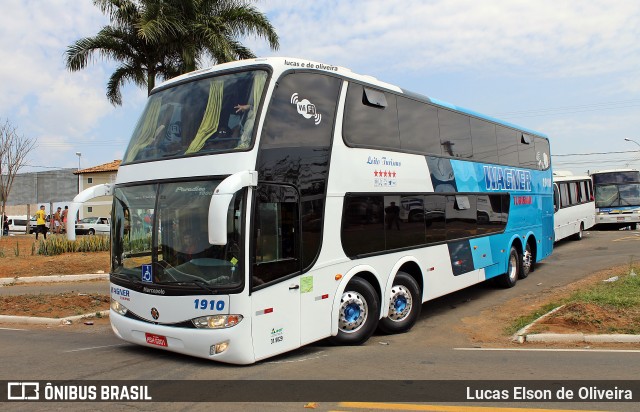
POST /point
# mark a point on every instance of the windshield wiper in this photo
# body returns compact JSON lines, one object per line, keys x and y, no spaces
{"x":196,"y":282}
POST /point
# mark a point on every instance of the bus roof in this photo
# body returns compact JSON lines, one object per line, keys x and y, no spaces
{"x":282,"y":64}
{"x":570,"y":178}
{"x":597,"y":172}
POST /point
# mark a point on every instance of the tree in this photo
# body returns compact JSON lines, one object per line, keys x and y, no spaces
{"x":164,"y":38}
{"x":14,"y":150}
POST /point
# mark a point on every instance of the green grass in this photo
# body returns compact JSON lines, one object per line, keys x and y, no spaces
{"x":522,"y":321}
{"x":621,"y":295}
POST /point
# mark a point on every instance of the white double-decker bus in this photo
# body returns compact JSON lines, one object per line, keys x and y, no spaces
{"x":257,"y":209}
{"x":574,"y":205}
{"x":617,"y":197}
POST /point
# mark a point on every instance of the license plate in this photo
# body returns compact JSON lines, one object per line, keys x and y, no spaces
{"x":620,"y":219}
{"x":154,"y":339}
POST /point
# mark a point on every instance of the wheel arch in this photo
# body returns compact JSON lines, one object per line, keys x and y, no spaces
{"x":516,"y":242}
{"x":365,"y":272}
{"x":532,"y":241}
{"x":410,"y":266}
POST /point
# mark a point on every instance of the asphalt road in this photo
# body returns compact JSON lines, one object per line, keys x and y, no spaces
{"x":434,"y":349}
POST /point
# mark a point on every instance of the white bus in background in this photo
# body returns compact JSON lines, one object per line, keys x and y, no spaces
{"x":574,"y":205}
{"x":617,"y":194}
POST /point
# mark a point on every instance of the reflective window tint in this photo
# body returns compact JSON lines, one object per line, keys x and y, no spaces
{"x":363,"y":225}
{"x":370,"y":125}
{"x":461,"y":215}
{"x":455,"y":134}
{"x":490,"y":217}
{"x":419,"y":131}
{"x":276,"y":241}
{"x":296,"y":143}
{"x":383,"y":120}
{"x":434,"y":218}
{"x":404,"y":221}
{"x":527,"y":152}
{"x":508,"y":142}
{"x":483,"y":137}
{"x":616,"y":177}
{"x":301,"y":111}
{"x":377,"y":224}
{"x":543,"y":155}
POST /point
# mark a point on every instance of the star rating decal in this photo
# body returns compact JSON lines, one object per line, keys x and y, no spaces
{"x":384,"y":173}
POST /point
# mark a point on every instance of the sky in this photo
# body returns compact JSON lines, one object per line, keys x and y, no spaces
{"x":568,"y":69}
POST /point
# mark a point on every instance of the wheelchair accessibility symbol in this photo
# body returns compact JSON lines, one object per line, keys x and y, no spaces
{"x":146,"y":273}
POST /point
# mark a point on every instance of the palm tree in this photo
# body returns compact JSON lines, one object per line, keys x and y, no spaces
{"x":164,"y":38}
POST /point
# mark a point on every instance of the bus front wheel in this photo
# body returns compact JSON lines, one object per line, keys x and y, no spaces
{"x":404,"y":305}
{"x":358,"y":313}
{"x":509,"y":279}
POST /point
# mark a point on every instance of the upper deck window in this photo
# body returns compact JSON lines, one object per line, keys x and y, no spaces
{"x":208,"y":115}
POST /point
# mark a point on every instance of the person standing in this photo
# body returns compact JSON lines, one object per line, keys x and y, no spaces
{"x":65,"y":212}
{"x":41,"y":222}
{"x":393,"y":215}
{"x":5,"y":225}
{"x":57,"y":221}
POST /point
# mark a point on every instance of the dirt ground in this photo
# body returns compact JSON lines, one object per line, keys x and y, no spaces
{"x":488,"y":328}
{"x":18,"y":257}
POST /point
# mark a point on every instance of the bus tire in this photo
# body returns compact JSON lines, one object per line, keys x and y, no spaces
{"x":580,"y":234}
{"x":527,"y":262}
{"x":509,"y":279}
{"x":358,"y":313}
{"x":405,"y":304}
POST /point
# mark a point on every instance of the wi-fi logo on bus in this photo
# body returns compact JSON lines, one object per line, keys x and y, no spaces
{"x":306,"y":108}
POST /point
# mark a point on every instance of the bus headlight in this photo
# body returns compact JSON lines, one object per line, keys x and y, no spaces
{"x":217,"y":321}
{"x":118,"y":307}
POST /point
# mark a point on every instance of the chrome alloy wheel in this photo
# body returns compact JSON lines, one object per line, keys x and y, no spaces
{"x":526,"y":260}
{"x":400,"y":303}
{"x":353,"y":312}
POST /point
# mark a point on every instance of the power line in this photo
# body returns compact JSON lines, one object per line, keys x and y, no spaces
{"x":593,"y":154}
{"x":622,"y":104}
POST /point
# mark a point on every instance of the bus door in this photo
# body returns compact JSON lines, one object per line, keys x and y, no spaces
{"x":275,"y":271}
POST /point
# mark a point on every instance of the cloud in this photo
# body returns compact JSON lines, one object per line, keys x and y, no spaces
{"x":543,"y":37}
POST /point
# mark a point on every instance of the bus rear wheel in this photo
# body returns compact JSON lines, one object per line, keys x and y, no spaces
{"x":405,"y":304}
{"x":527,"y":262}
{"x":509,"y":279}
{"x":580,"y":234}
{"x":358,"y":313}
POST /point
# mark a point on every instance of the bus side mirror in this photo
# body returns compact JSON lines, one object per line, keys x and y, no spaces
{"x":220,"y":200}
{"x":90,"y":193}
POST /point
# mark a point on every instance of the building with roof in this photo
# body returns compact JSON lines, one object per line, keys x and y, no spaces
{"x":92,"y":176}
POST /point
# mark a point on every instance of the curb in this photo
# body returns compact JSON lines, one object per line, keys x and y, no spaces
{"x":49,"y":321}
{"x":52,"y":278}
{"x":522,"y":336}
{"x":581,"y":338}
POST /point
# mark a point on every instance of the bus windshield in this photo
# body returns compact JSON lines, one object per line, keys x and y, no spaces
{"x":208,"y":115}
{"x":618,"y":195}
{"x":160,"y":236}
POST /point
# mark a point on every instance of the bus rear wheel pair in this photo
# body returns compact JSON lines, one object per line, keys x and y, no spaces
{"x":518,"y":267}
{"x":359,"y":312}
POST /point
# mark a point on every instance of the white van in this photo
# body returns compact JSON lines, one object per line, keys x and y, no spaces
{"x":17,"y":224}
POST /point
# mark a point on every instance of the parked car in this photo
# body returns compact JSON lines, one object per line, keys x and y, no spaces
{"x":93,"y":225}
{"x":33,"y":223}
